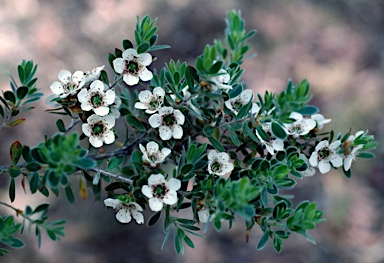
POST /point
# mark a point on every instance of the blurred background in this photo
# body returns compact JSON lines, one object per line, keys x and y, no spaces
{"x":338,"y":45}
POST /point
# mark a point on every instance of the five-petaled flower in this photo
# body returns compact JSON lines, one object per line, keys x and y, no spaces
{"x":92,"y":75}
{"x":220,"y":81}
{"x":168,"y":120}
{"x":271,"y":144}
{"x":301,"y":125}
{"x":152,"y":155}
{"x":160,"y":192}
{"x":98,"y":129}
{"x":133,"y":66}
{"x":350,"y":149}
{"x":151,"y":102}
{"x":244,"y":98}
{"x":125,"y":212}
{"x":69,"y":84}
{"x":325,"y":154}
{"x":96,"y":99}
{"x":218,"y":163}
{"x":320,"y":120}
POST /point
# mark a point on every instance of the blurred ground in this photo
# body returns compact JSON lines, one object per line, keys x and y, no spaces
{"x":338,"y":45}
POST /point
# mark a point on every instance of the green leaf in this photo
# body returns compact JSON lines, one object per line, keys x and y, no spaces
{"x":34,"y":183}
{"x":216,"y":144}
{"x":208,"y":131}
{"x":154,"y":219}
{"x":234,"y":138}
{"x":33,"y":166}
{"x":114,"y":162}
{"x":278,"y":131}
{"x":15,"y":152}
{"x":216,"y":67}
{"x":308,"y":110}
{"x":127,"y":44}
{"x":143,"y":47}
{"x":40,"y":208}
{"x":186,"y":168}
{"x":263,"y":240}
{"x":134,"y":122}
{"x":16,"y":243}
{"x":12,"y":190}
{"x":8,"y":95}
{"x":21,"y":92}
{"x":189,"y":242}
{"x":365,"y":155}
{"x":25,"y":152}
{"x":60,"y":125}
{"x":69,"y":194}
{"x":14,"y":171}
{"x":85,"y":163}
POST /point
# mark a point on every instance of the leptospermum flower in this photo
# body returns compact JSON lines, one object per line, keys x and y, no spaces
{"x":310,"y":171}
{"x":96,"y":99}
{"x":98,"y":129}
{"x":272,"y":145}
{"x":325,"y":154}
{"x":218,"y":163}
{"x":204,"y":214}
{"x":244,"y":98}
{"x":160,"y":192}
{"x":220,"y":81}
{"x":320,"y":120}
{"x":133,"y":66}
{"x":152,"y":155}
{"x":125,"y":212}
{"x":151,"y":102}
{"x":168,"y":120}
{"x":349,"y":150}
{"x":301,"y":126}
{"x":92,"y":75}
{"x":69,"y":84}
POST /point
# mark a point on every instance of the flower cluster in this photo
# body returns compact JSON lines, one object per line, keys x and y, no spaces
{"x":96,"y":102}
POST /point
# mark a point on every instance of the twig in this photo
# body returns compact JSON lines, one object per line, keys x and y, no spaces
{"x":121,"y":178}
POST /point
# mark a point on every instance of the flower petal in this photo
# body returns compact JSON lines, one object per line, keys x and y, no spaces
{"x":152,"y":148}
{"x":137,"y":216}
{"x":155,"y":120}
{"x":118,"y":65}
{"x":155,"y":204}
{"x":130,"y":79}
{"x":165,"y":133}
{"x":57,"y":88}
{"x":109,"y":137}
{"x":145,"y":59}
{"x":177,"y":132}
{"x":179,"y":117}
{"x":95,"y":141}
{"x":324,"y":166}
{"x":145,"y":74}
{"x":101,"y":111}
{"x":86,"y":128}
{"x":123,"y":216}
{"x":174,"y":184}
{"x":147,"y":191}
{"x":129,"y":53}
{"x":156,"y":179}
{"x":112,"y":202}
{"x":65,"y":76}
{"x":170,"y":198}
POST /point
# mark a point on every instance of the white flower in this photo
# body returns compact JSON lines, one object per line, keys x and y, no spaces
{"x":133,"y":66}
{"x":218,"y":163}
{"x":244,"y":98}
{"x":301,"y":126}
{"x":310,"y":171}
{"x":273,"y":144}
{"x":96,"y":99}
{"x":168,"y":121}
{"x":98,"y":129}
{"x":186,"y":97}
{"x":93,"y":75}
{"x":152,"y":155}
{"x":204,"y":214}
{"x":320,"y":120}
{"x":220,"y":81}
{"x":115,"y":108}
{"x":325,"y":153}
{"x":149,"y":102}
{"x":349,"y":150}
{"x":125,"y":212}
{"x":159,"y":191}
{"x":69,"y":84}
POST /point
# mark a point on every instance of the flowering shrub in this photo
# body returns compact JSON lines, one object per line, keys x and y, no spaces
{"x":197,"y":140}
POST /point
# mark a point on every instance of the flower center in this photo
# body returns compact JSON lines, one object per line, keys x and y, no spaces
{"x":296,"y":128}
{"x":237,"y":105}
{"x":132,"y":67}
{"x":154,"y":104}
{"x":159,"y":190}
{"x":98,"y":128}
{"x":169,"y":119}
{"x":97,"y":100}
{"x":324,"y":153}
{"x":216,"y":167}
